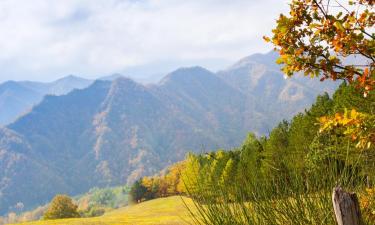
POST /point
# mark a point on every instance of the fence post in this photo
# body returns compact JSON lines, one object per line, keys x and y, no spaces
{"x":346,"y":207}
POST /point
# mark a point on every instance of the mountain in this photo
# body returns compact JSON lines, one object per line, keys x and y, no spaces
{"x":113,"y":132}
{"x":111,"y":77}
{"x":269,"y":92}
{"x":16,"y":98}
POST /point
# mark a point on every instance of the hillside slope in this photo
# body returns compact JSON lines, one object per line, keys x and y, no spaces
{"x":268,"y":91}
{"x":162,"y":211}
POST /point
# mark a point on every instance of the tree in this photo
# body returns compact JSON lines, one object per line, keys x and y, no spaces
{"x":60,"y":207}
{"x":173,"y":177}
{"x":137,"y":191}
{"x":251,"y":158}
{"x":319,"y":36}
{"x":229,"y":173}
{"x":103,"y":197}
{"x":152,"y":185}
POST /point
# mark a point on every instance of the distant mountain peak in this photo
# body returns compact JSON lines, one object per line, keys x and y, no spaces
{"x":70,"y":77}
{"x":184,"y":74}
{"x":112,"y":77}
{"x":268,"y":59}
{"x":125,"y":82}
{"x":123,"y":86}
{"x":191,"y":69}
{"x":18,"y":97}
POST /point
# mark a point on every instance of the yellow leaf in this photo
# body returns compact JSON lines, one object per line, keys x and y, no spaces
{"x":339,"y":26}
{"x":267,"y":39}
{"x":353,"y":114}
{"x":323,"y":119}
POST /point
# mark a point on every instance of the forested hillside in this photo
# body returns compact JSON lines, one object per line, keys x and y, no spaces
{"x":295,"y":161}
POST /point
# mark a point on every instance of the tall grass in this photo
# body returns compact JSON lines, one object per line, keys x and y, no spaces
{"x":293,"y":197}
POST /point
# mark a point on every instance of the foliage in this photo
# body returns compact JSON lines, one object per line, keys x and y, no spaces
{"x":166,"y":184}
{"x":358,"y":126}
{"x":322,"y":38}
{"x":100,"y":200}
{"x":94,"y":211}
{"x":61,"y":206}
{"x":94,"y":203}
{"x":318,"y":36}
{"x":287,"y":177}
{"x":35,"y":214}
{"x":103,"y":197}
{"x":137,"y":191}
{"x":367,"y":202}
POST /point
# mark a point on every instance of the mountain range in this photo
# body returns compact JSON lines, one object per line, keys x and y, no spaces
{"x":17,"y":98}
{"x":114,"y":131}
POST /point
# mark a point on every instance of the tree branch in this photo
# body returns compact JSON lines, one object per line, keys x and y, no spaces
{"x":320,"y":8}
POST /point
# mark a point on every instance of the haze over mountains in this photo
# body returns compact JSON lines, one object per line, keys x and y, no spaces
{"x":113,"y":132}
{"x":17,"y":98}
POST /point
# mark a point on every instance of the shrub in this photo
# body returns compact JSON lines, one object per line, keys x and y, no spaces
{"x":60,"y":207}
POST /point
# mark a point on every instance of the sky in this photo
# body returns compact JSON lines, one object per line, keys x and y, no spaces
{"x":44,"y":40}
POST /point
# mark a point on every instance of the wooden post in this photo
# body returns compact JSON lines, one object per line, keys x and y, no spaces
{"x":346,"y":207}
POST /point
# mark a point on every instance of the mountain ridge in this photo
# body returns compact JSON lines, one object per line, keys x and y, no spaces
{"x":18,"y":97}
{"x":113,"y":132}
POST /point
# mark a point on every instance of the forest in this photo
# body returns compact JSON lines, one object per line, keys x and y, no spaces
{"x":287,"y":177}
{"x":269,"y":179}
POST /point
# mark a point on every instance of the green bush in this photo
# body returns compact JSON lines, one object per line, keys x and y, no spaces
{"x":93,"y":211}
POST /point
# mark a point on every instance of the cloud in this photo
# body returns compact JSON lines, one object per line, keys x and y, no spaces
{"x":44,"y":40}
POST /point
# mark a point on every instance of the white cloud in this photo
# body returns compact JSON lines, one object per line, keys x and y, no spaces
{"x":44,"y":39}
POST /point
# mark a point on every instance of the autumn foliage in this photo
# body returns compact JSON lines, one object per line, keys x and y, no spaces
{"x":332,"y":40}
{"x":359,"y":126}
{"x":167,"y":183}
{"x":61,"y":206}
{"x":328,"y":39}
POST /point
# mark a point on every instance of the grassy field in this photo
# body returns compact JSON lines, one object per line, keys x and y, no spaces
{"x":163,"y":211}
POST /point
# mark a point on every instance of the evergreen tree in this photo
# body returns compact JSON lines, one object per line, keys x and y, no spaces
{"x":137,"y":191}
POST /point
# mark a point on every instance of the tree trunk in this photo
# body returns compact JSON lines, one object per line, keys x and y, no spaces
{"x":346,"y":207}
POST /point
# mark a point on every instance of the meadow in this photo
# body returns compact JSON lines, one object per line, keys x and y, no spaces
{"x":162,"y":211}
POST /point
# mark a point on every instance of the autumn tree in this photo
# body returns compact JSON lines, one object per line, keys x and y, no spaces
{"x":172,"y":178}
{"x":332,"y":40}
{"x":191,"y":176}
{"x":61,"y":206}
{"x":318,"y":37}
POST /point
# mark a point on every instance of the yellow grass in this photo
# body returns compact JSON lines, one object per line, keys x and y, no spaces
{"x":162,"y":211}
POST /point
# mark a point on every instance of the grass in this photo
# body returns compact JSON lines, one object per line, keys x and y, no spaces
{"x":162,"y":211}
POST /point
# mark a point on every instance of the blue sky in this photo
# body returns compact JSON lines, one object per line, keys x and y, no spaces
{"x":45,"y":40}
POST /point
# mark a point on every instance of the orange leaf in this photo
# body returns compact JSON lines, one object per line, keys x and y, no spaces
{"x":366,"y":73}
